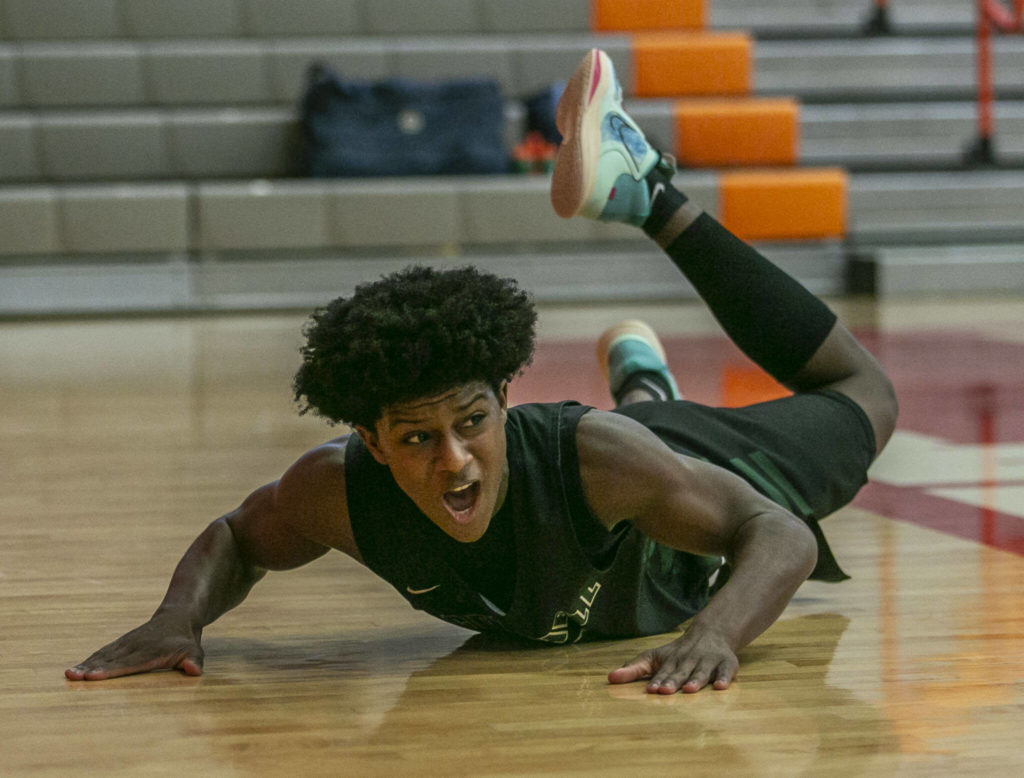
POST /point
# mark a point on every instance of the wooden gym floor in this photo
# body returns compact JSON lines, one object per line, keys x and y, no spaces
{"x":121,"y":439}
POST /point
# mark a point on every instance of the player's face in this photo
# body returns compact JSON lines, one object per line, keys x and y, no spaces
{"x":448,"y":454}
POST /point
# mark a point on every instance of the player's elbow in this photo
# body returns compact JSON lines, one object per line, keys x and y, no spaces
{"x":805,"y":549}
{"x":782,"y":542}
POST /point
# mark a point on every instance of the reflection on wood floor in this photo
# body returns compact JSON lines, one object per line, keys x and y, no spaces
{"x":120,"y":440}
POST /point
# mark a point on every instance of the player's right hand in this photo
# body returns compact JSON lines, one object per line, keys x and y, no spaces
{"x":165,"y":642}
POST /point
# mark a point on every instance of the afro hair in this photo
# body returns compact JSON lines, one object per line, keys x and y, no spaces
{"x":412,"y":334}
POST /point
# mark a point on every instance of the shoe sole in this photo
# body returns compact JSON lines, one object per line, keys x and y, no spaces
{"x":630,"y":327}
{"x":578,"y":118}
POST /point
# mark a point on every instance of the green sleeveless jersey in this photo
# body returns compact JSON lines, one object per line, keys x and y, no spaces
{"x":572,"y":577}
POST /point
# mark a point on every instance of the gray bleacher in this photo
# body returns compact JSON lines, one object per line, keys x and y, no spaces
{"x":117,"y":74}
{"x":149,"y":149}
{"x":27,"y":20}
{"x":151,"y":19}
{"x":197,"y":143}
{"x":791,"y":19}
{"x":86,"y":74}
{"x":887,"y":68}
{"x":877,"y":137}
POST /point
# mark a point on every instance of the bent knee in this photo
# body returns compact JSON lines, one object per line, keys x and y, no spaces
{"x":875,"y":394}
{"x":884,"y":414}
{"x":872,"y":390}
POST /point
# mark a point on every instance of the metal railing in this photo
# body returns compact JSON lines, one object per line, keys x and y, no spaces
{"x":993,"y":17}
{"x":878,"y":22}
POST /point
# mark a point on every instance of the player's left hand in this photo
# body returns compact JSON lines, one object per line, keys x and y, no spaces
{"x":701,"y":656}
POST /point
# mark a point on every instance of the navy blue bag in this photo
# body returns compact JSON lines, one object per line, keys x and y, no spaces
{"x":541,"y":110}
{"x":398,"y":127}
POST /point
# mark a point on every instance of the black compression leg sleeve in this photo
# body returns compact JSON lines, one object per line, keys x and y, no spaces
{"x":768,"y":314}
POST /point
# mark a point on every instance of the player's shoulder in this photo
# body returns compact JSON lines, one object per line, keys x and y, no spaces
{"x":315,"y":479}
{"x":320,"y":469}
{"x":605,"y":433}
{"x":617,"y":452}
{"x":311,"y":496}
{"x":328,"y":454}
{"x":611,"y":446}
{"x":614,"y":454}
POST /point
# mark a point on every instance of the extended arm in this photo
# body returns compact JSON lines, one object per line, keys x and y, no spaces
{"x":771,"y":553}
{"x":693,"y":506}
{"x":274,"y":529}
{"x":211,"y":578}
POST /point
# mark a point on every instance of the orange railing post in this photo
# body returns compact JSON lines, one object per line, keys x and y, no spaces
{"x":992,"y":16}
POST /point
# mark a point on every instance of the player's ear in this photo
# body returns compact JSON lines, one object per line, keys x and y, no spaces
{"x":372,"y":443}
{"x":502,"y":395}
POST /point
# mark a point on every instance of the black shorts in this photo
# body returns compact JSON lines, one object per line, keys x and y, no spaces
{"x":809,"y":452}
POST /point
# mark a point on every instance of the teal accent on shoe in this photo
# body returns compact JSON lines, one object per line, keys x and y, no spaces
{"x":628,"y":201}
{"x":631,"y":354}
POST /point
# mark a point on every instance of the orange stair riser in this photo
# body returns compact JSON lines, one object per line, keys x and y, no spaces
{"x":790,"y":205}
{"x":625,"y":15}
{"x":737,"y":132}
{"x":700,"y":64}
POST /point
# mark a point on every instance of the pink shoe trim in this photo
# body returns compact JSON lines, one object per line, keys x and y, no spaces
{"x":596,"y":77}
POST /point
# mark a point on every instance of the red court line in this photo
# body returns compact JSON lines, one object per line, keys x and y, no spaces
{"x":913,"y":504}
{"x":955,"y":385}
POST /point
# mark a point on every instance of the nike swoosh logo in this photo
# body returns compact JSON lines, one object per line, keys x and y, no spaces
{"x":422,"y":591}
{"x":658,"y":189}
{"x":620,"y":127}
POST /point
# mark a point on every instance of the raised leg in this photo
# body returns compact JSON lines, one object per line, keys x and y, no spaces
{"x":606,"y":170}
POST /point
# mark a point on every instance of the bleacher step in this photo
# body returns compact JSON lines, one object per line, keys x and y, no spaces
{"x":840,"y":18}
{"x":296,"y":280}
{"x":191,"y":72}
{"x":946,"y":270}
{"x":26,"y":20}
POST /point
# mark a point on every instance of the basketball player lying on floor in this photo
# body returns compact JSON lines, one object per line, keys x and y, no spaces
{"x":556,"y":521}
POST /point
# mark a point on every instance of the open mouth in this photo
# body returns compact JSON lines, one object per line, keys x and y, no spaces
{"x":461,"y":502}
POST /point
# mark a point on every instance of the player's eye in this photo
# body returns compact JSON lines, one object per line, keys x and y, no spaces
{"x":475,"y":419}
